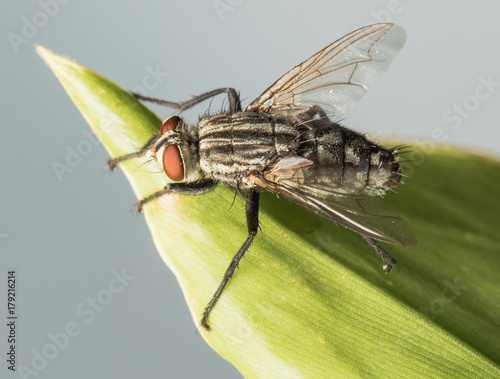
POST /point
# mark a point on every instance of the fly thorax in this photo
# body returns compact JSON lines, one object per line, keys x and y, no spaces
{"x":231,"y":145}
{"x":174,"y":151}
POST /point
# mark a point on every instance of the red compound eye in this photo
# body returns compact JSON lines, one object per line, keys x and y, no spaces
{"x":172,"y":160}
{"x":169,"y":124}
{"x":172,"y":163}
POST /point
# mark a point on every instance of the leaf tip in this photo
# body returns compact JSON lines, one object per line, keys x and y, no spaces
{"x":46,"y":54}
{"x":56,"y":62}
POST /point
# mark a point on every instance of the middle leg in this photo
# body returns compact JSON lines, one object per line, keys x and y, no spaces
{"x":199,"y":187}
{"x":252,"y":213}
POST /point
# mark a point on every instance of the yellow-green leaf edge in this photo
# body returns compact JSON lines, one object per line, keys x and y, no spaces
{"x":310,"y":299}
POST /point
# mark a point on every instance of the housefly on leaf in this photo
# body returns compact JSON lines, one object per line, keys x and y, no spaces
{"x":288,"y":141}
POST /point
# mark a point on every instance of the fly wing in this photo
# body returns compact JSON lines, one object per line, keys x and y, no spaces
{"x":338,"y":76}
{"x":366,"y":215}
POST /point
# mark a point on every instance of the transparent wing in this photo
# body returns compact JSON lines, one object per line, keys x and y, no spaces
{"x":336,"y":77}
{"x":366,"y":215}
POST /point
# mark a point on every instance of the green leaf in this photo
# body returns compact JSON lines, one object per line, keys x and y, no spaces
{"x":310,"y":299}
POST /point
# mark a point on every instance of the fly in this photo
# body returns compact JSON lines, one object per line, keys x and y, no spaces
{"x":288,"y":141}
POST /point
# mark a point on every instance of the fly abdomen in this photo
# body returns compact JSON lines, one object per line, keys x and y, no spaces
{"x":323,"y":145}
{"x":346,"y":160}
{"x":357,"y":153}
{"x":385,"y":172}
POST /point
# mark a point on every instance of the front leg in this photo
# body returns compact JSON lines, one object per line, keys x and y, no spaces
{"x":199,"y":187}
{"x":232,"y":95}
{"x":113,"y":162}
{"x":234,"y":106}
{"x":252,"y":212}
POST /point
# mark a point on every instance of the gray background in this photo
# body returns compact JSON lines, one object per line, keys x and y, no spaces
{"x":65,"y":237}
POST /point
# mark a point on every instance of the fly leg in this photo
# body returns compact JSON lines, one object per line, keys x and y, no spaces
{"x":234,"y":100}
{"x":199,"y":187}
{"x":113,"y":162}
{"x":252,"y":214}
{"x":234,"y":106}
{"x":390,"y":262}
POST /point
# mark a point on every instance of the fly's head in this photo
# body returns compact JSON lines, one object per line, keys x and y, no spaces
{"x":175,"y":151}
